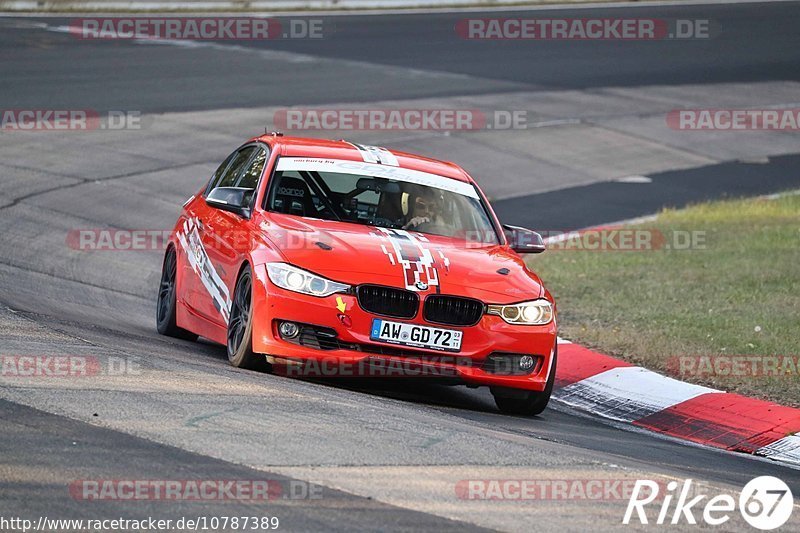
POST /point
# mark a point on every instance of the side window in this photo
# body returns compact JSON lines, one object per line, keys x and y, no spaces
{"x":249,"y":179}
{"x":236,"y":166}
{"x":212,"y":183}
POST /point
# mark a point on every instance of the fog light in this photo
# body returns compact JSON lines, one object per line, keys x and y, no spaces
{"x":288,"y":330}
{"x":526,"y":362}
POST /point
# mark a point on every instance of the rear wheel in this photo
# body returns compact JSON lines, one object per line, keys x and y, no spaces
{"x":167,"y":303}
{"x":526,"y":403}
{"x":240,"y":326}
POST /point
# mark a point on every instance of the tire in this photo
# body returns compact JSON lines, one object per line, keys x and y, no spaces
{"x":526,"y":403}
{"x":166,"y":303}
{"x":240,"y":326}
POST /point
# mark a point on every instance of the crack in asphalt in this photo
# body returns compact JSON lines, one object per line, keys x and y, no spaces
{"x":83,"y":181}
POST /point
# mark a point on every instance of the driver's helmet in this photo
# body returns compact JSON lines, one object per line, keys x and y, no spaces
{"x":420,"y":201}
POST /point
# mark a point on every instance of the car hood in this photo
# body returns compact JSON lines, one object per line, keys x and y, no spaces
{"x":356,"y":253}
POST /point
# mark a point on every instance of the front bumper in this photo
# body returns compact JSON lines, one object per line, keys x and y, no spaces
{"x":354,"y":354}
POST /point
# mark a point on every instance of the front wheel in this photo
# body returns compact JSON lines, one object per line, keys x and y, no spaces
{"x":240,"y":326}
{"x":526,"y":403}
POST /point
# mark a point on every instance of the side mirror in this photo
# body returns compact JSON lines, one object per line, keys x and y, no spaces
{"x":523,"y":241}
{"x":233,"y":199}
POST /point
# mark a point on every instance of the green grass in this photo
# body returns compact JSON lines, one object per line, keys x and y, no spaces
{"x":739,"y":295}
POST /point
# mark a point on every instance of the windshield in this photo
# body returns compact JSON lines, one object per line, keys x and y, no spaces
{"x":379,"y":195}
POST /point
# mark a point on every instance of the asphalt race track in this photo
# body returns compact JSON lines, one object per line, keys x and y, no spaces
{"x":381,"y":455}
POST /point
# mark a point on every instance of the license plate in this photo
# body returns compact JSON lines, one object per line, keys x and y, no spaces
{"x":448,"y":340}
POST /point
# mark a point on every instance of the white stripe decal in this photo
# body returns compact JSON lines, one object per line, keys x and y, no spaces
{"x":376,"y":154}
{"x":628,"y":393}
{"x":786,"y":449}
{"x":367,"y":155}
{"x":389,"y":254}
{"x":417,"y":261}
{"x":386,"y":157}
{"x":198,"y":259}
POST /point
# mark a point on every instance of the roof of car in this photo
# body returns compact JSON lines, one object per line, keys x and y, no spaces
{"x":306,"y":147}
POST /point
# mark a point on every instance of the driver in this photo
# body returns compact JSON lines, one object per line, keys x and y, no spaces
{"x":425,"y":209}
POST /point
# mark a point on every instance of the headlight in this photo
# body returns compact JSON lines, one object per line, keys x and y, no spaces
{"x":536,"y":312}
{"x":296,"y":279}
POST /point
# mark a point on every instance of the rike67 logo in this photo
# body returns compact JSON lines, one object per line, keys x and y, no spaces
{"x":766,"y":503}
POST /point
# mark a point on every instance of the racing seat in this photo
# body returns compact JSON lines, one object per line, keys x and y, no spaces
{"x":293,"y":197}
{"x":390,"y":207}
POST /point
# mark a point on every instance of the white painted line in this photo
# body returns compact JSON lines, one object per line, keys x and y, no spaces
{"x":338,"y":8}
{"x":563,"y":341}
{"x":634,"y":179}
{"x":786,"y":449}
{"x":644,"y":219}
{"x":629,"y":393}
{"x":554,"y":122}
{"x":778,"y":195}
{"x":577,"y":233}
{"x":289,"y":57}
{"x":756,"y":160}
